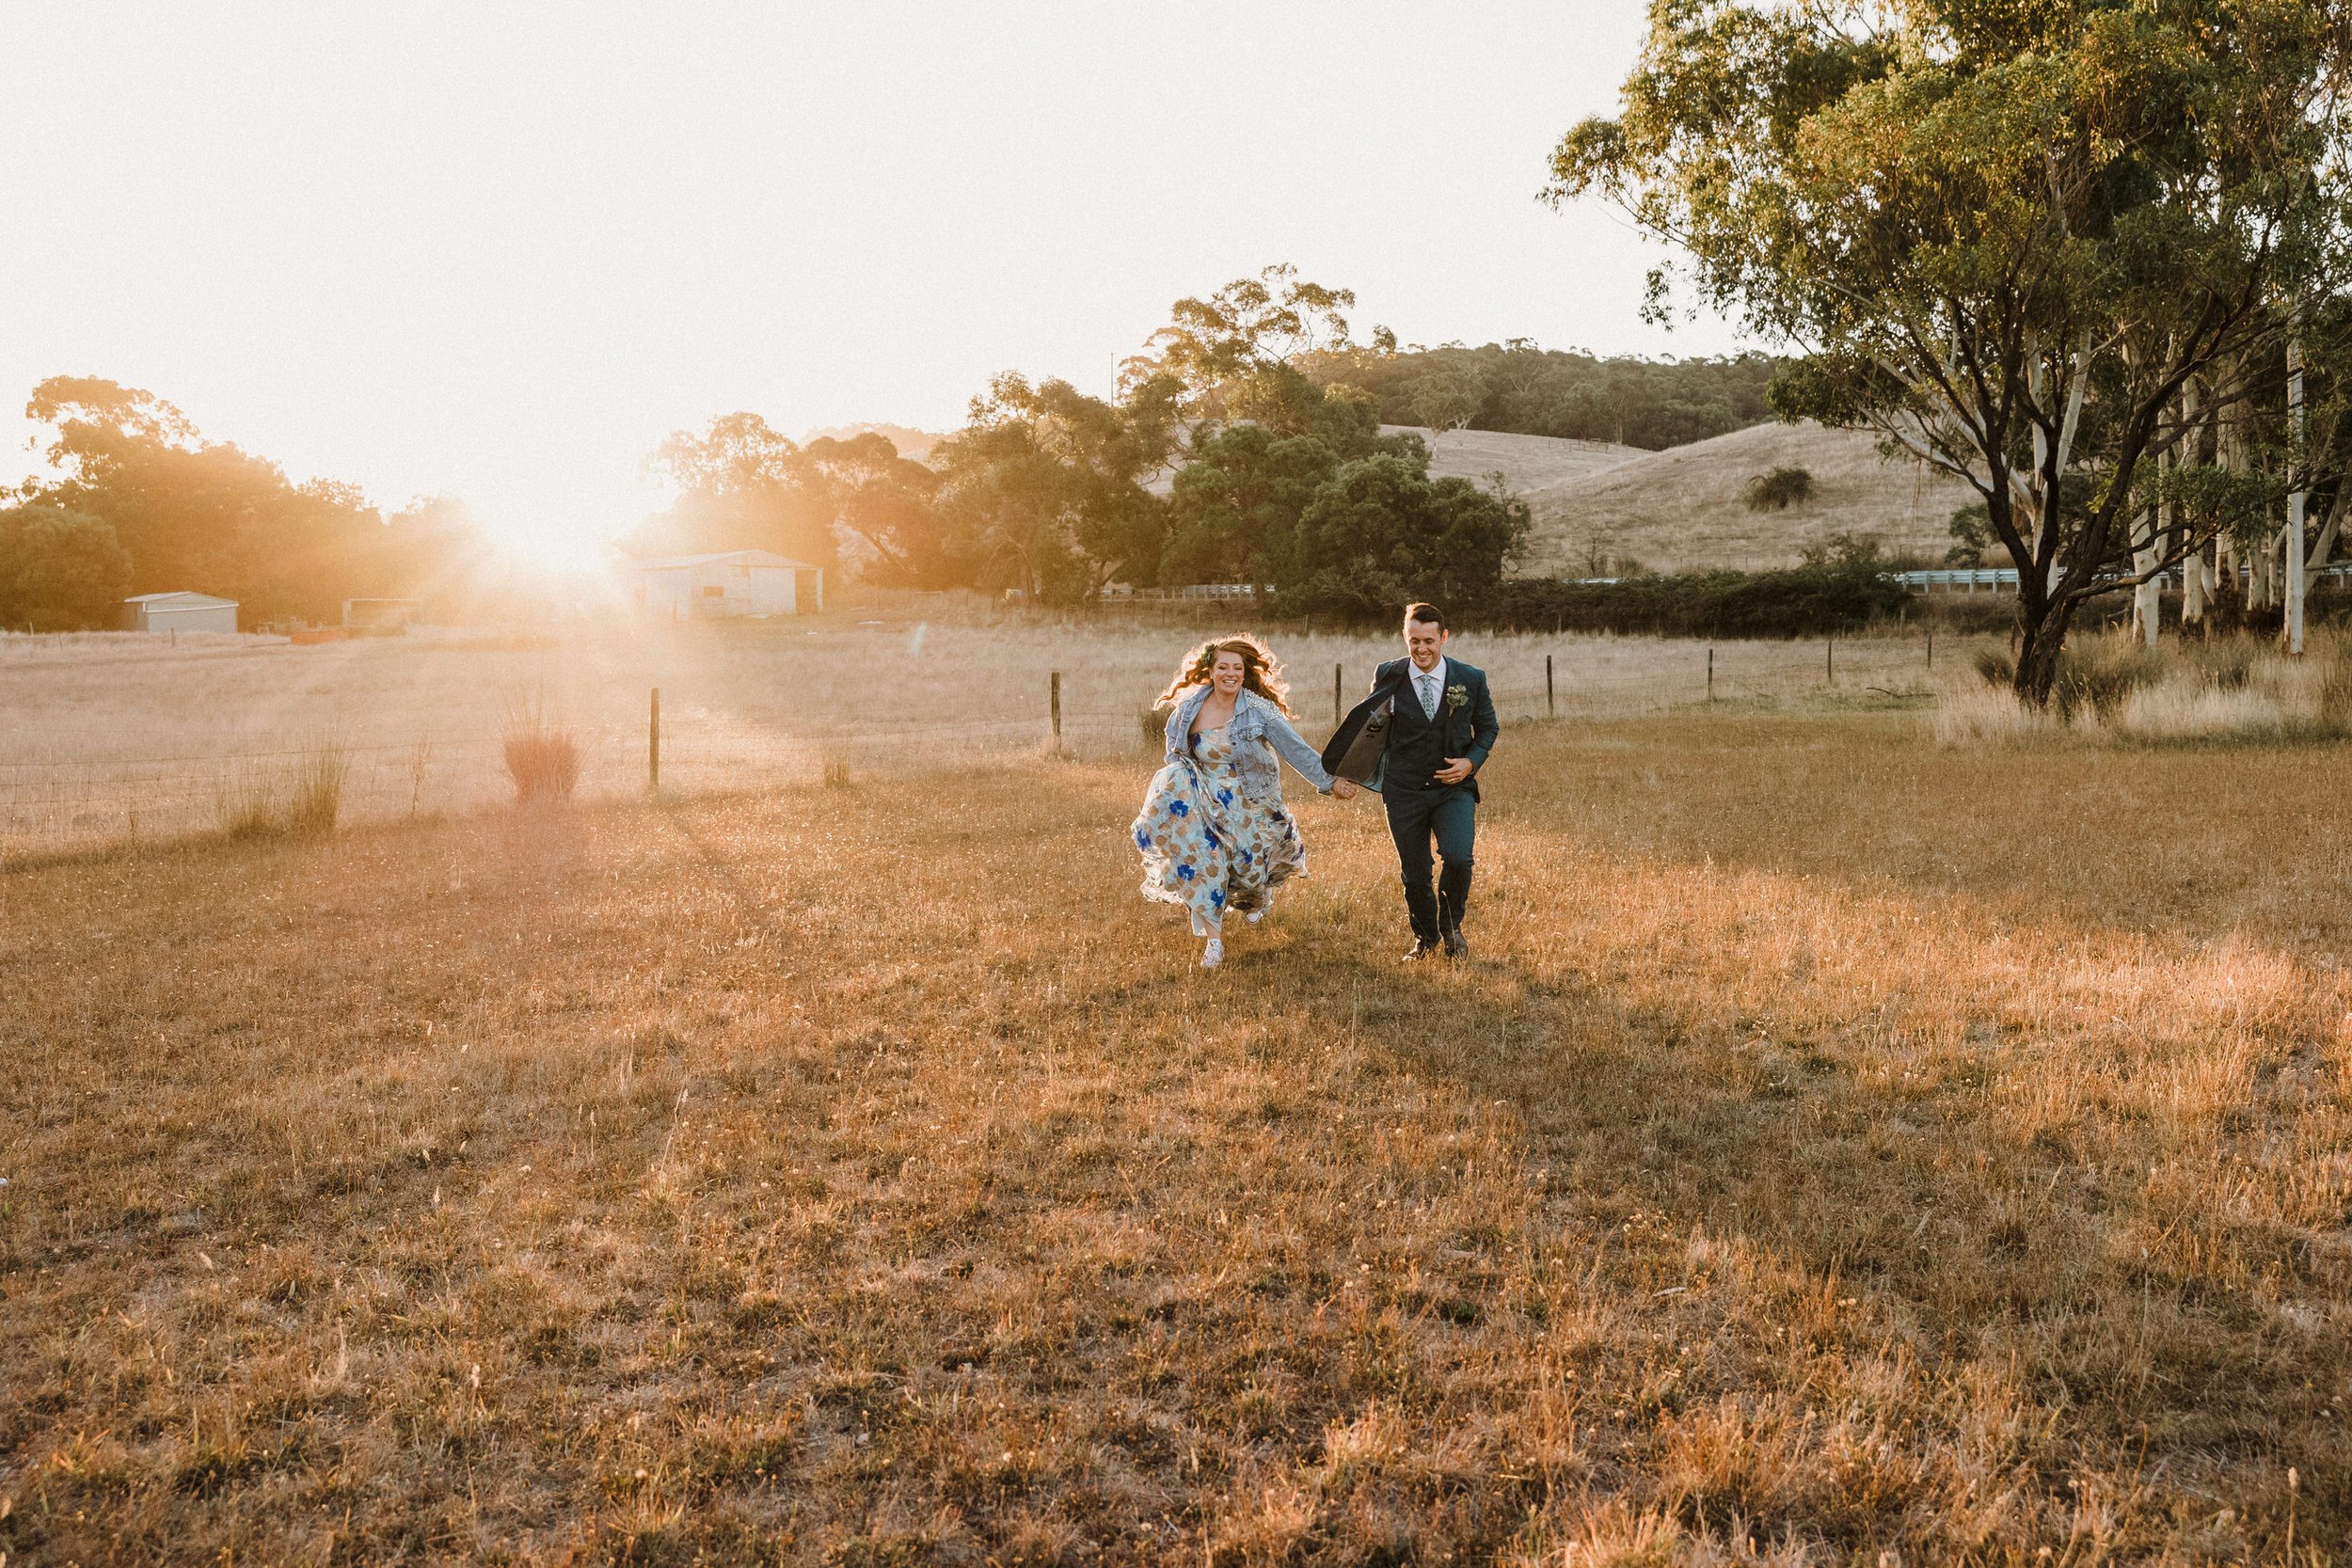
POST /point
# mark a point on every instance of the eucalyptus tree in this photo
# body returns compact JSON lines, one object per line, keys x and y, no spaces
{"x":1249,"y":326}
{"x":1051,"y":482}
{"x":2007,"y":235}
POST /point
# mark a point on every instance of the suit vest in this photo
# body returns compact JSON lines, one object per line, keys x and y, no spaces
{"x":1416,"y":741}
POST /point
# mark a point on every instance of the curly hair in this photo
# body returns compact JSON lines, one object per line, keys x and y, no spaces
{"x":1261,"y":672}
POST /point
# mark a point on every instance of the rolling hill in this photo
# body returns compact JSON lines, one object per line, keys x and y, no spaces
{"x":1527,"y":463}
{"x":1598,"y":505}
{"x":1685,"y":508}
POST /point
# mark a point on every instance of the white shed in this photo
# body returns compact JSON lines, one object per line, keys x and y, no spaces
{"x":727,"y":583}
{"x":179,"y":612}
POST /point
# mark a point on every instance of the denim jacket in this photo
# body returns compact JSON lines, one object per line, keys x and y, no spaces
{"x":1259,"y":732}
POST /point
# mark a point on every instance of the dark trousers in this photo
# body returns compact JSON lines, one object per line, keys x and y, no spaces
{"x":1451,"y":816}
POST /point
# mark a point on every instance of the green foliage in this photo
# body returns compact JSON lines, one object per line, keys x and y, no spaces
{"x":2213,"y":498}
{"x":741,"y":485}
{"x":1971,"y":529}
{"x":1380,"y":533}
{"x":1237,"y":504}
{"x":2009,"y":233}
{"x":60,"y":570}
{"x":1044,"y":487}
{"x":1841,"y":586}
{"x":189,"y":514}
{"x":1339,"y":518}
{"x":1779,"y":490}
{"x":1249,"y":326}
{"x":886,"y":502}
{"x":1519,"y":388}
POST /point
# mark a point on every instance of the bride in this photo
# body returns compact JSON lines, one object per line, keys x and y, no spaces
{"x":1214,"y":834}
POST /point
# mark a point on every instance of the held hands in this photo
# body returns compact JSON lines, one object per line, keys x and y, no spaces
{"x":1455,"y":770}
{"x":1342,"y":789}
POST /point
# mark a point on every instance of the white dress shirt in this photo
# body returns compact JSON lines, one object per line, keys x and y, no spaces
{"x":1429,"y":686}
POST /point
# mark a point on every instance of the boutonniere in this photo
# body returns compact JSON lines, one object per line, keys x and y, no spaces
{"x":1457,"y":697}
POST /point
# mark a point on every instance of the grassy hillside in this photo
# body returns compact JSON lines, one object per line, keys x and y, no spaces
{"x":1526,"y":462}
{"x":867,"y":1175}
{"x":1685,"y":508}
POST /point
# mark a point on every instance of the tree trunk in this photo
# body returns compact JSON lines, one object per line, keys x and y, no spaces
{"x":2041,"y":639}
{"x":2148,"y":598}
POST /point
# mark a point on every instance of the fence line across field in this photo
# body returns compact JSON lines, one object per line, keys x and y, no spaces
{"x":58,"y":801}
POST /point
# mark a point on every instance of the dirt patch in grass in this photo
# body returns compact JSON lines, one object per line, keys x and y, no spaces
{"x":1808,"y":1164}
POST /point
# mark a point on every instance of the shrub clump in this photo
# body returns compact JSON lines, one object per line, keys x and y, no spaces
{"x":1839,"y":588}
{"x":1780,"y":489}
{"x":2094,"y":675}
{"x":542,"y":762}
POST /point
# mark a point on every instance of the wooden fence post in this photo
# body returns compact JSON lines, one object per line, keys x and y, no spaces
{"x":1338,"y":702}
{"x":1551,"y":710}
{"x":653,"y":745}
{"x":1930,"y":645}
{"x":1056,"y":701}
{"x":1710,"y":675}
{"x":1829,"y":659}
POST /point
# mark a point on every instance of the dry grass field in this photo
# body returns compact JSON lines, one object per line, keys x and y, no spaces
{"x":1840,"y":1148}
{"x":118,"y":736}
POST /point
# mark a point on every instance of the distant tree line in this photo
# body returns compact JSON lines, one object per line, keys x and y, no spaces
{"x":1243,"y":444}
{"x":1221,"y":459}
{"x":1517,"y":388}
{"x":141,"y":503}
{"x":1837,"y":587}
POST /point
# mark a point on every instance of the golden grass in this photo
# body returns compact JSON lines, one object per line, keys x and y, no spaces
{"x":2233,"y":691}
{"x":1812,"y":1165}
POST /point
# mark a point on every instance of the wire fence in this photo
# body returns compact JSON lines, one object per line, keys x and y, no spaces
{"x":52,"y":803}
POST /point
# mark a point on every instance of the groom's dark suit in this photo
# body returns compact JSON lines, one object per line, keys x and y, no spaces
{"x":1419,"y":807}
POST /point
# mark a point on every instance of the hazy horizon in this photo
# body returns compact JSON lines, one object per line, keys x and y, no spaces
{"x":433,"y":253}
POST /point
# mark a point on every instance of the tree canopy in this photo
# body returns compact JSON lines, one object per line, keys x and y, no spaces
{"x":142,"y":503}
{"x":2010,"y":237}
{"x":1519,"y":388}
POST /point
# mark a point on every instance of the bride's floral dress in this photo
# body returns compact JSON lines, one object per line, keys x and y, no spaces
{"x":1206,"y":846}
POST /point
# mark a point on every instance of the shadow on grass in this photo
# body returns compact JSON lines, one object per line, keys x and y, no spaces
{"x":1982,"y":1251}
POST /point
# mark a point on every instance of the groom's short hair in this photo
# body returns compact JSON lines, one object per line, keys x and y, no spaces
{"x":1428,"y":614}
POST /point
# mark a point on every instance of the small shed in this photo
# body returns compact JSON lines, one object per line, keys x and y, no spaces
{"x":180,"y":612}
{"x":727,"y":583}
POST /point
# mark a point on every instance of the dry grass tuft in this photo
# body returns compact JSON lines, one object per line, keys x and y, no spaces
{"x":542,"y":761}
{"x":2113,"y":690}
{"x":262,"y":800}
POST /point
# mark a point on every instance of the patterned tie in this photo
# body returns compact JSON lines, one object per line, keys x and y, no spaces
{"x":1427,"y":681}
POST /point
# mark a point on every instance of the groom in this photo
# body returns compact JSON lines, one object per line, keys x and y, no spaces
{"x":1433,"y":723}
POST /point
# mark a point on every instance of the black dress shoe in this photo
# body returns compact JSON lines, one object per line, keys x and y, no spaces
{"x":1454,"y":946}
{"x":1421,"y":950}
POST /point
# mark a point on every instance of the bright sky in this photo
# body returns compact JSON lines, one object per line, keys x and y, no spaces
{"x":498,"y":250}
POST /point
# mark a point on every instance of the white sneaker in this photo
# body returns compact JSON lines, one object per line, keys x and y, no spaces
{"x":1214,"y":954}
{"x":1254,"y":916}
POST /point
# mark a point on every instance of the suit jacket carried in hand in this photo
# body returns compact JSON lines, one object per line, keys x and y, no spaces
{"x":1358,"y":751}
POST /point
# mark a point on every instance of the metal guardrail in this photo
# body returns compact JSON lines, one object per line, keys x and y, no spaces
{"x":1971,"y":579}
{"x":1959,"y":578}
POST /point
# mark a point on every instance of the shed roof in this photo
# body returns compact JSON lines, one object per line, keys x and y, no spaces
{"x":182,"y":600}
{"x":748,"y":557}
